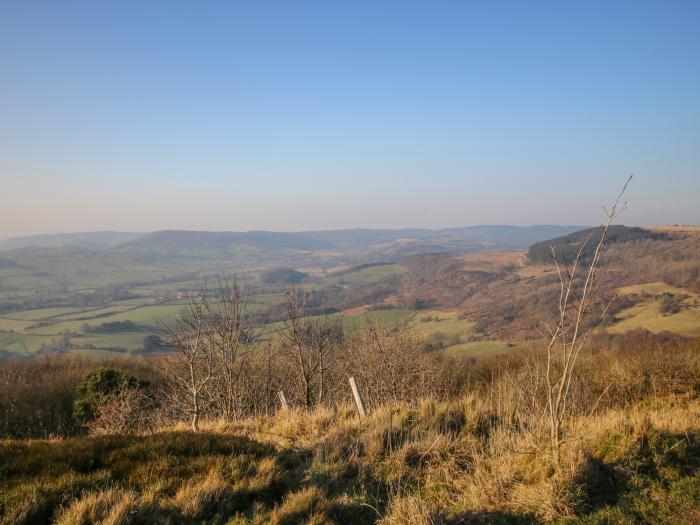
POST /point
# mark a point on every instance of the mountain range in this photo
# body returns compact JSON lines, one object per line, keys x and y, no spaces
{"x":399,"y":241}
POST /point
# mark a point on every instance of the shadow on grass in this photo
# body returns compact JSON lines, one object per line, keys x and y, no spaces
{"x":496,"y":517}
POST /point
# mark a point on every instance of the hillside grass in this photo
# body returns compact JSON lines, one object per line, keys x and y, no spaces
{"x":367,"y":275}
{"x":127,"y":340}
{"x":483,"y":349}
{"x":477,"y":453}
{"x":13,"y":325}
{"x":653,"y":289}
{"x":21,"y":344}
{"x":648,"y":314}
{"x":447,"y":462}
{"x":456,"y":336}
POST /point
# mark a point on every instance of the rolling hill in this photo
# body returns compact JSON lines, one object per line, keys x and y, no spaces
{"x":413,"y":240}
{"x":567,"y":246}
{"x":90,"y":240}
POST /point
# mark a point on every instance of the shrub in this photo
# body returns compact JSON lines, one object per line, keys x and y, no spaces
{"x":98,"y":386}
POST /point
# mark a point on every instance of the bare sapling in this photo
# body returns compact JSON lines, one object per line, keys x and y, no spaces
{"x":579,"y":312}
{"x":310,"y":345}
{"x":233,"y":335}
{"x":195,"y":363}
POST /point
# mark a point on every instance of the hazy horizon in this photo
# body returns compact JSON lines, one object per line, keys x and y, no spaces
{"x":145,"y":232}
{"x":311,"y":116}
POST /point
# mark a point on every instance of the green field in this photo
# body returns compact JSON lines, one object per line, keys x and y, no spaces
{"x":648,"y":313}
{"x":156,"y":287}
{"x":21,"y":344}
{"x":29,"y":335}
{"x":653,"y":289}
{"x":41,"y":313}
{"x":14,"y":325}
{"x":485,"y":348}
{"x":48,"y":299}
{"x":457,"y":337}
{"x":127,"y":340}
{"x":366,"y":275}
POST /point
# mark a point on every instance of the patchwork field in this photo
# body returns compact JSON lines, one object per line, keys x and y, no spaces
{"x":59,"y":301}
{"x":25,"y":331}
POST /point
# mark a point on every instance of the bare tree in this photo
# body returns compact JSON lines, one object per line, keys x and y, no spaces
{"x":389,"y":362}
{"x":579,"y":282}
{"x":195,"y":364}
{"x":309,"y":344}
{"x":232,"y":334}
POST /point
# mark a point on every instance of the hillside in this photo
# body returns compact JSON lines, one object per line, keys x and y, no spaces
{"x":471,"y":304}
{"x":505,"y":297}
{"x":89,"y":240}
{"x":567,"y":247}
{"x":183,"y":241}
{"x":352,"y":240}
{"x":477,"y":455}
{"x":454,"y":387}
{"x":395,"y":242}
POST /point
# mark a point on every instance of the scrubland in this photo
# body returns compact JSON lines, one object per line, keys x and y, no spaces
{"x":479,"y":453}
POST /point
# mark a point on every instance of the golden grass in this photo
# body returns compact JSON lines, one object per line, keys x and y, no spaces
{"x":478,"y":457}
{"x":655,"y":289}
{"x":430,"y":461}
{"x":108,"y":507}
{"x":307,"y":506}
{"x":14,"y":325}
{"x":677,"y":229}
{"x":648,"y":315}
{"x":491,"y":261}
{"x":196,"y":496}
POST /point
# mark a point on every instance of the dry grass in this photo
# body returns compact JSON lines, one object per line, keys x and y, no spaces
{"x":492,"y":262}
{"x":198,"y":497}
{"x":477,"y":457}
{"x":108,"y":507}
{"x":648,"y":315}
{"x":676,"y":229}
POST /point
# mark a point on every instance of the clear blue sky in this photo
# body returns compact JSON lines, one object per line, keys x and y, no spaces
{"x":299,"y":115}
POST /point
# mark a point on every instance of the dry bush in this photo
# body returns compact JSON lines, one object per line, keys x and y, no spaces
{"x":389,"y":363}
{"x":130,"y":410}
{"x":479,"y":456}
{"x":36,"y":397}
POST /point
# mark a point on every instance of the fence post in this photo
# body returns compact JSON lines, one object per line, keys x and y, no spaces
{"x":283,"y":401}
{"x":358,"y":399}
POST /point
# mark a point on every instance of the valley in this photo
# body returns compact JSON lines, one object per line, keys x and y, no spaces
{"x":488,"y":299}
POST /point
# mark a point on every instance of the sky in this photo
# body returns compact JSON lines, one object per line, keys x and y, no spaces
{"x":139,"y":116}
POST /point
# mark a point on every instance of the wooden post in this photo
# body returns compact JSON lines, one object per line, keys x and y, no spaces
{"x":283,"y":401}
{"x":358,"y":399}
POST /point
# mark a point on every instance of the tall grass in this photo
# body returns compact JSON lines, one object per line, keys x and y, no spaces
{"x":631,"y":455}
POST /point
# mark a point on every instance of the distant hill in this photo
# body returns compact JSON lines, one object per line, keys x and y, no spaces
{"x":89,"y":240}
{"x":567,"y":246}
{"x":183,"y":241}
{"x":414,"y":240}
{"x":362,"y":244}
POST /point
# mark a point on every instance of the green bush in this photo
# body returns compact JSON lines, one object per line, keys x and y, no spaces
{"x":99,"y":385}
